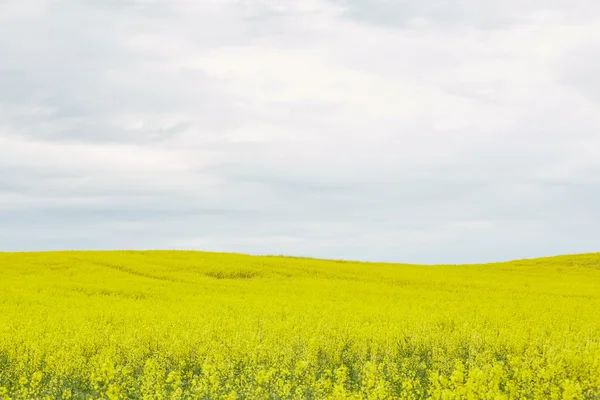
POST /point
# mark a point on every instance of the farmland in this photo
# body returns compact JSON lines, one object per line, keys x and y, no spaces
{"x":193,"y":325}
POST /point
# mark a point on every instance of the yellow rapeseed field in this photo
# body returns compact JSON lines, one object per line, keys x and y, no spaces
{"x":190,"y":325}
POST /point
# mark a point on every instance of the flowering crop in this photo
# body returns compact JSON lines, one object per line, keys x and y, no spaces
{"x":190,"y":325}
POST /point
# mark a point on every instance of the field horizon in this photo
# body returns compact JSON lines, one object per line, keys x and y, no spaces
{"x":300,"y":257}
{"x":177,"y":324}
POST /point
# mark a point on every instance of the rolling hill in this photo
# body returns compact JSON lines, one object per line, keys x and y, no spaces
{"x":179,"y":324}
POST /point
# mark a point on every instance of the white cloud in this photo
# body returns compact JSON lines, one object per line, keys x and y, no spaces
{"x":380,"y":130}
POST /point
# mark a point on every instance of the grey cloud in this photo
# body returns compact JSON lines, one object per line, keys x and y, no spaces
{"x":440,"y":13}
{"x":78,"y":61}
{"x":81,"y":102}
{"x":460,"y":14}
{"x":579,"y":69}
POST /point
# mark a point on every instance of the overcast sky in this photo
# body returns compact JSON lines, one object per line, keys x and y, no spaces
{"x":395,"y":130}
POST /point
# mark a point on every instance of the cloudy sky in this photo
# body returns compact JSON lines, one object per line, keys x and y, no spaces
{"x":394,"y":130}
